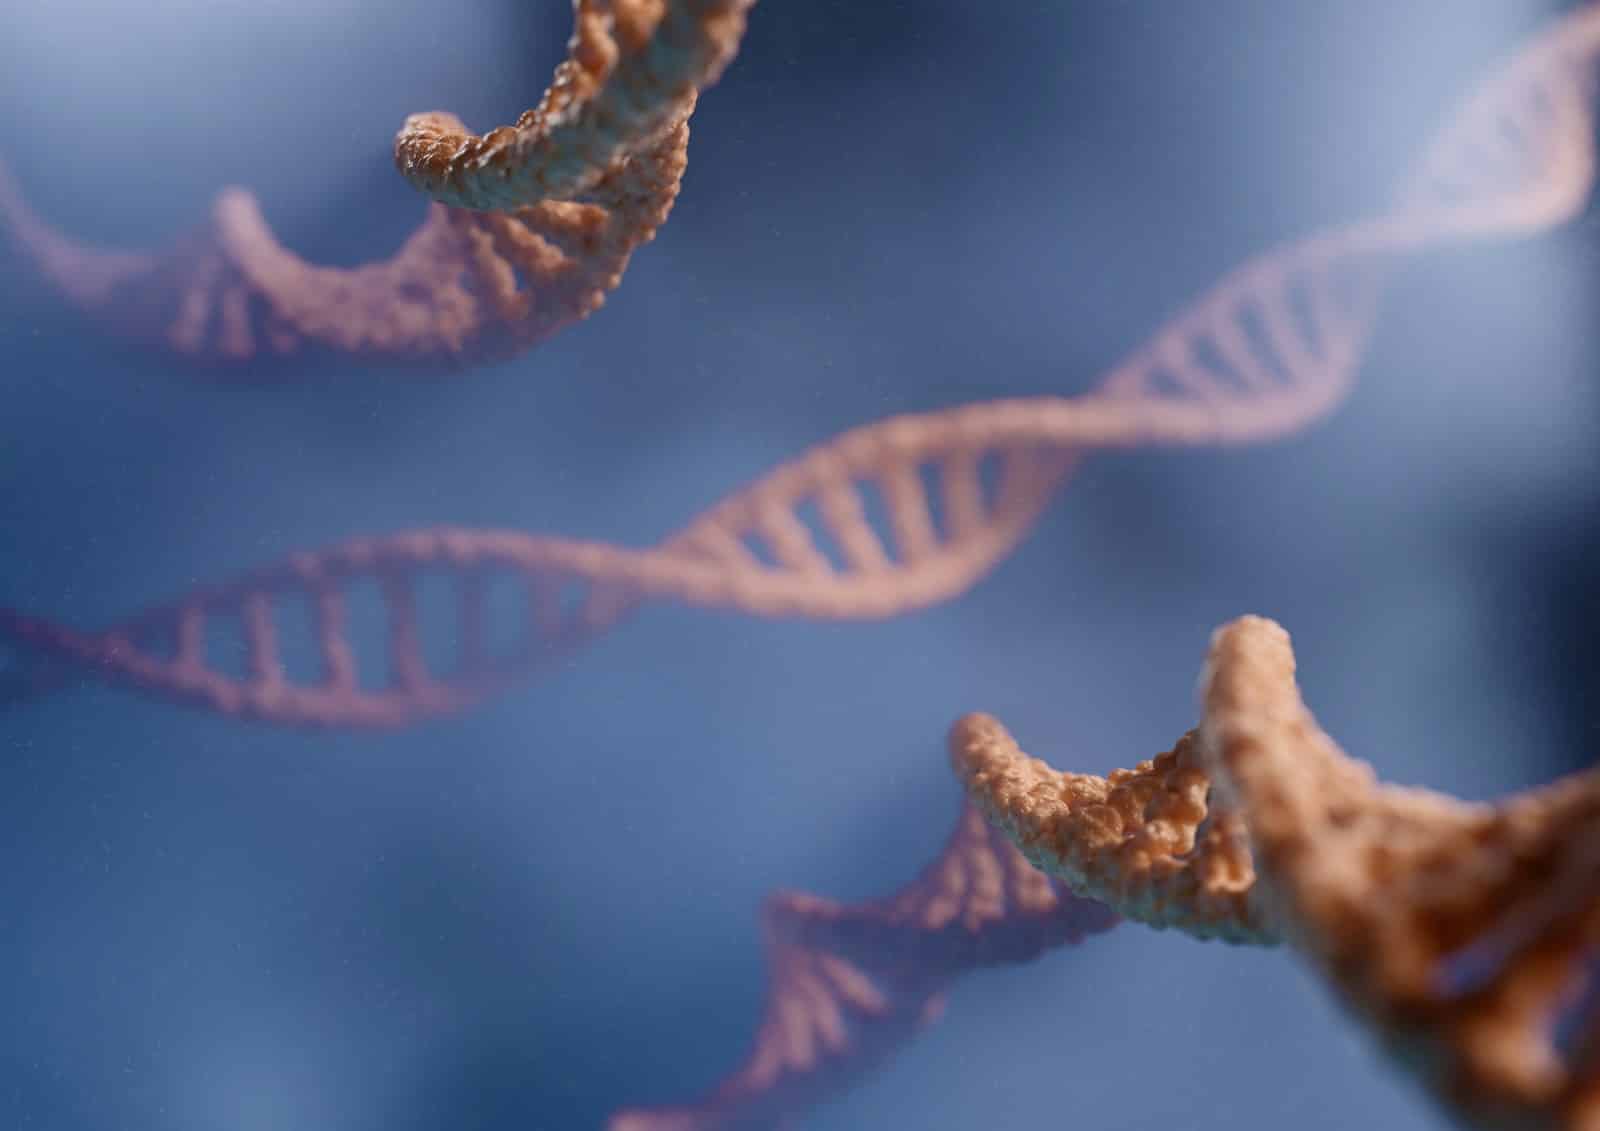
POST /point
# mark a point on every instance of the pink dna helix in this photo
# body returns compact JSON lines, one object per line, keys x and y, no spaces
{"x":1269,"y":349}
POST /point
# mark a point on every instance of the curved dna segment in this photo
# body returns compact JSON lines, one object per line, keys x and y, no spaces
{"x":463,"y":288}
{"x":1142,"y":840}
{"x":850,"y":983}
{"x":904,"y":513}
{"x":1467,"y":936}
{"x":752,"y":552}
{"x":172,"y":651}
{"x":576,"y":187}
{"x":632,"y":72}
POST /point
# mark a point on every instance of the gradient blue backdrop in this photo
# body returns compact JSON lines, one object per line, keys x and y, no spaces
{"x":529,"y":915}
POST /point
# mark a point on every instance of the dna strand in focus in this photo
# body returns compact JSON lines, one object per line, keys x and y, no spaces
{"x":1467,"y":936}
{"x":886,"y":518}
{"x":608,"y":143}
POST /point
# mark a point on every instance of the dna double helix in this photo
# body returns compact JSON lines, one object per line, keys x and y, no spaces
{"x":848,"y":984}
{"x":880,"y":521}
{"x":883,"y":519}
{"x":1465,"y":935}
{"x":464,"y":288}
{"x":544,"y":218}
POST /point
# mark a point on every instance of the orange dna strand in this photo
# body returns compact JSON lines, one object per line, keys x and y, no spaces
{"x":1467,"y":936}
{"x":1269,"y":349}
{"x":850,"y":983}
{"x":606,"y":145}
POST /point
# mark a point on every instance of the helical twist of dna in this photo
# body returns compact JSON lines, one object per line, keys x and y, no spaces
{"x":561,"y":202}
{"x":1266,"y":351}
{"x":1459,"y":932}
{"x":633,"y":70}
{"x":849,"y":983}
{"x":1467,"y":936}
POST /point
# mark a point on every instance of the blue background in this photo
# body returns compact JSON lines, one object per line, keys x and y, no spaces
{"x":531,"y":914}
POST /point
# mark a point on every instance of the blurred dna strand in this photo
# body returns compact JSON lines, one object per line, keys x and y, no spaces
{"x":542,"y":219}
{"x":1465,"y":935}
{"x":884,"y":519}
{"x":849,"y":983}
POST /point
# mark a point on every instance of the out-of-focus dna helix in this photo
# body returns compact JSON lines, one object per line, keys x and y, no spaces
{"x":563,"y":199}
{"x":1467,"y":936}
{"x":1270,"y":348}
{"x":848,"y":984}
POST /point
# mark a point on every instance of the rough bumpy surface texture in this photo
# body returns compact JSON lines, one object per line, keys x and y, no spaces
{"x":632,"y":71}
{"x":464,"y":288}
{"x":576,"y":188}
{"x":1142,"y":840}
{"x":850,"y":983}
{"x":1466,"y":935}
{"x":1271,"y":348}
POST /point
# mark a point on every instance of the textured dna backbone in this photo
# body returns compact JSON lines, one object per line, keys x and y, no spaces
{"x":884,"y":519}
{"x":1466,"y":936}
{"x":543,"y":218}
{"x":908,"y":512}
